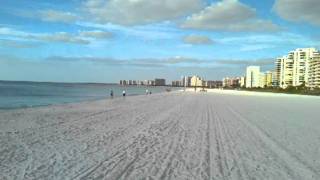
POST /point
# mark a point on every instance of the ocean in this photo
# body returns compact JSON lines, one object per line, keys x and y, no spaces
{"x":31,"y":94}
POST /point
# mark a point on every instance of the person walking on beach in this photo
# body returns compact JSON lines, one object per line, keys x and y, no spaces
{"x":111,"y":93}
{"x":123,"y":93}
{"x":147,"y":91}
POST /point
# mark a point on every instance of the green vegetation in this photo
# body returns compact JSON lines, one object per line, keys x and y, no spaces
{"x":289,"y":90}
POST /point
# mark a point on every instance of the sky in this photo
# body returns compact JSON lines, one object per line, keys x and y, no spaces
{"x":108,"y":40}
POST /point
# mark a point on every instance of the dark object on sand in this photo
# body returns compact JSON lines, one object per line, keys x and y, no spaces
{"x":111,"y":93}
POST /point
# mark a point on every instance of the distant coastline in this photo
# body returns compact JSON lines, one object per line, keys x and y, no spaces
{"x":53,"y":82}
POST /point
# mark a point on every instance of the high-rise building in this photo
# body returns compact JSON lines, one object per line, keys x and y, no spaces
{"x":253,"y":76}
{"x":213,"y":84}
{"x":293,"y":69}
{"x":160,"y":82}
{"x":275,"y":79}
{"x":263,"y":80}
{"x":314,"y":71}
{"x":284,"y":71}
{"x":242,"y":81}
{"x":234,"y":82}
{"x":226,"y":82}
{"x":301,"y":65}
{"x":176,"y":83}
{"x":150,"y":82}
{"x":196,"y":81}
{"x":269,"y":78}
{"x":186,"y":81}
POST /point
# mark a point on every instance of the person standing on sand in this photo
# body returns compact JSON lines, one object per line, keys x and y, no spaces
{"x":147,"y":91}
{"x":111,"y":93}
{"x":123,"y":93}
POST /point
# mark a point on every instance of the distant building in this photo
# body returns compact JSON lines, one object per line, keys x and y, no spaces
{"x":134,"y":82}
{"x":196,"y":81}
{"x":269,"y":78}
{"x":186,"y":81}
{"x":176,"y":83}
{"x":263,"y":80}
{"x":231,"y":82}
{"x":214,"y":84}
{"x":226,"y":82}
{"x":242,"y":81}
{"x":253,"y":77}
{"x":123,"y":82}
{"x":151,"y":83}
{"x":160,"y":82}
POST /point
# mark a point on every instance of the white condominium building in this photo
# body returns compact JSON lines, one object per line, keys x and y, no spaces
{"x":242,"y":81}
{"x":301,"y":65}
{"x":314,"y":71}
{"x":292,"y":70}
{"x":269,"y":78}
{"x":253,"y":76}
{"x":196,"y":81}
{"x":263,"y":80}
{"x":284,"y":71}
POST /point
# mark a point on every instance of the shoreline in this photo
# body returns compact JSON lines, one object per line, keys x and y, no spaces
{"x":76,"y":102}
{"x":189,"y":90}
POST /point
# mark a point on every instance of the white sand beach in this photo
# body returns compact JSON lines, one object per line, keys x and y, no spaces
{"x":177,"y":135}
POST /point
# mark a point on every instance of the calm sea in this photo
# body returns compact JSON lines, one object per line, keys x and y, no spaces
{"x":30,"y":94}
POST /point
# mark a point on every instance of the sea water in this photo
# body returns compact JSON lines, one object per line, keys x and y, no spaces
{"x":30,"y":94}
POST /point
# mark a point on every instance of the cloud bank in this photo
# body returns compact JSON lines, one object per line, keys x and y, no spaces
{"x":139,"y":12}
{"x":82,"y":37}
{"x":299,"y":10}
{"x":57,"y":16}
{"x":229,"y":15}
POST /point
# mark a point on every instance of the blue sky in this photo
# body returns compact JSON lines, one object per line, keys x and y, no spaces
{"x":105,"y":41}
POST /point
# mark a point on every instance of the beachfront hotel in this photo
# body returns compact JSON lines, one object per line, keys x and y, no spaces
{"x":293,"y":69}
{"x":266,"y":79}
{"x":314,"y":71}
{"x":242,"y":81}
{"x":156,"y":82}
{"x":253,"y":77}
{"x":284,"y":71}
{"x":233,"y":82}
{"x":197,"y":81}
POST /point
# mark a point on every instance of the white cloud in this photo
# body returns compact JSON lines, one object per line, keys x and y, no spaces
{"x":150,"y":62}
{"x":57,"y":16}
{"x":145,"y":32}
{"x":282,"y":39}
{"x":228,"y":15}
{"x":260,"y":62}
{"x":83,"y":37}
{"x":138,"y":12}
{"x":96,"y":34}
{"x":197,"y":40}
{"x":299,"y":10}
{"x":17,"y":44}
{"x":60,"y":37}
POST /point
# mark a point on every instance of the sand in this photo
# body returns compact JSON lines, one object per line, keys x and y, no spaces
{"x":177,"y":135}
